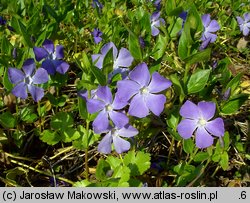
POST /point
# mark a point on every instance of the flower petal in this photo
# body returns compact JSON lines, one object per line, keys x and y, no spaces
{"x":15,"y":75}
{"x":59,"y":52}
{"x":105,"y":144}
{"x":128,"y":131}
{"x":61,"y":66}
{"x":210,"y":36}
{"x":245,"y":30}
{"x":49,"y":46}
{"x":37,"y":93}
{"x":203,"y":139}
{"x":126,"y":89}
{"x":118,"y":103}
{"x":246,"y":17}
{"x":213,"y":26}
{"x":29,"y":67}
{"x":124,"y":59}
{"x":120,"y":144}
{"x":49,"y":66}
{"x":97,"y":39}
{"x":158,"y":83}
{"x":140,"y":74}
{"x":95,"y":105}
{"x":206,"y":109}
{"x":40,"y":53}
{"x":239,"y":20}
{"x":216,"y":127}
{"x":101,"y":122}
{"x":189,"y":110}
{"x":104,"y":93}
{"x":20,"y":90}
{"x":154,"y":31}
{"x":155,"y":16}
{"x":204,"y":44}
{"x":186,"y":128}
{"x":41,"y":76}
{"x":105,"y":49}
{"x":97,"y":60}
{"x":155,"y":103}
{"x":138,"y":107}
{"x":205,"y":20}
{"x":119,"y":119}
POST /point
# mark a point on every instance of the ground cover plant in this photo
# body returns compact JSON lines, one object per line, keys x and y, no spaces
{"x":124,"y":93}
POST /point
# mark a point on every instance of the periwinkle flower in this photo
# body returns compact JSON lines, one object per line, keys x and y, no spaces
{"x":121,"y":61}
{"x":210,"y":26}
{"x":97,"y":4}
{"x":197,"y":119}
{"x":244,"y":23}
{"x":107,"y":108}
{"x":114,"y":136}
{"x":157,"y":4}
{"x":27,"y":80}
{"x":143,"y":91}
{"x":52,"y":57}
{"x":156,"y":22}
{"x":2,"y":21}
{"x":97,"y":35}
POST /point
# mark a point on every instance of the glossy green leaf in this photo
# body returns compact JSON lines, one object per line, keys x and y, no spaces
{"x":234,"y":104}
{"x":197,"y":81}
{"x":188,"y":145}
{"x":50,"y":137}
{"x":61,"y":121}
{"x":134,"y":46}
{"x":7,"y":120}
{"x":198,"y":57}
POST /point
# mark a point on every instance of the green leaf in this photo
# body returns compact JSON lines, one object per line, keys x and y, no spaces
{"x":82,"y":183}
{"x":50,"y":137}
{"x":224,"y":161}
{"x":108,"y":63}
{"x":134,"y":46}
{"x":122,"y":172}
{"x":185,"y":44}
{"x":197,"y":81}
{"x":51,"y":11}
{"x":61,"y":121}
{"x":188,"y":145}
{"x":6,"y":82}
{"x":138,"y":163}
{"x":70,"y":134}
{"x":177,"y":86}
{"x":160,"y":47}
{"x":102,"y":169}
{"x":101,"y":78}
{"x":173,"y":119}
{"x":22,"y":30}
{"x":201,"y":156}
{"x":85,"y":140}
{"x":170,"y":6}
{"x":198,"y":57}
{"x":234,"y":104}
{"x":113,"y":161}
{"x":7,"y":120}
{"x":234,"y":83}
{"x":82,"y":108}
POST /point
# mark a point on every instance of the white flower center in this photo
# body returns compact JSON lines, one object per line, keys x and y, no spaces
{"x":202,"y":122}
{"x":109,"y":107}
{"x":52,"y":56}
{"x":28,"y":80}
{"x":144,"y":90}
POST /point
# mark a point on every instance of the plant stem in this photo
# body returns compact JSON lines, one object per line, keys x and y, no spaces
{"x":192,"y":155}
{"x":39,"y":114}
{"x":121,"y":159}
{"x":170,"y":150}
{"x":86,"y":152}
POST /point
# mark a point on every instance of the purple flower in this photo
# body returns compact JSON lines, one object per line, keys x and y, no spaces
{"x":157,"y":4}
{"x":52,"y":56}
{"x":97,"y":35}
{"x":97,"y":4}
{"x":2,"y":21}
{"x":141,"y":90}
{"x":197,"y":118}
{"x":142,"y":42}
{"x":244,"y":23}
{"x":108,"y":109}
{"x":114,"y":136}
{"x":156,"y":22}
{"x":28,"y":79}
{"x":121,"y":60}
{"x":210,"y":26}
